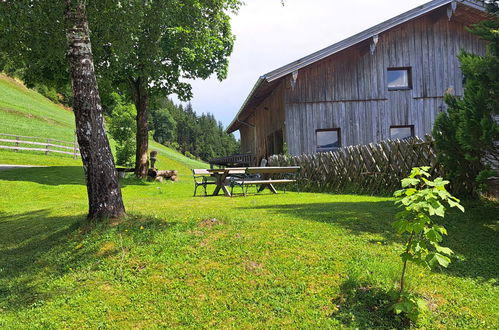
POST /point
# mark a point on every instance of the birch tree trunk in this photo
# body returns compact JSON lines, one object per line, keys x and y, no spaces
{"x":141,"y":101}
{"x":104,"y":194}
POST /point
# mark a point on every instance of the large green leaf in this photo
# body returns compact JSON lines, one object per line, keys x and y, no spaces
{"x":433,"y":235}
{"x":437,"y":258}
{"x":444,"y":250}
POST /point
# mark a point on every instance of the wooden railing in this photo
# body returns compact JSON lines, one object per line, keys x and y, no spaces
{"x":33,"y":143}
{"x":234,"y":160}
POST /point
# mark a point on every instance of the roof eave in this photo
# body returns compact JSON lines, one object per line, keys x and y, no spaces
{"x":362,"y":36}
{"x":232,"y":126}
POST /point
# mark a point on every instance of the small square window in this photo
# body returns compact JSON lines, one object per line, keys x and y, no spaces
{"x":401,"y":132}
{"x":328,"y":139}
{"x":399,"y":78}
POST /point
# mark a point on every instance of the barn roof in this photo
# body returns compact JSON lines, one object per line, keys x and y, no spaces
{"x":266,"y":83}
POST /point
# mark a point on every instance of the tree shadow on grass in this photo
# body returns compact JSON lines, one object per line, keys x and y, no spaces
{"x":25,"y":239}
{"x":363,"y":306}
{"x":358,"y":218}
{"x":57,"y":175}
{"x":474,"y":238}
{"x":473,"y":235}
{"x":51,"y":176}
{"x":37,"y":249}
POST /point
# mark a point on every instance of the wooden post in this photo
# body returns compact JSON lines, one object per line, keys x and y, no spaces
{"x":48,"y":146}
{"x":153,"y":158}
{"x":17,"y":144}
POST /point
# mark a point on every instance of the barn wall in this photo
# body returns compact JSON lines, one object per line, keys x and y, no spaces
{"x":268,"y":119}
{"x":247,"y":139}
{"x":348,"y":90}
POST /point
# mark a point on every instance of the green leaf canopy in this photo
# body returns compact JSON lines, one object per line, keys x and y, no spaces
{"x":165,"y":42}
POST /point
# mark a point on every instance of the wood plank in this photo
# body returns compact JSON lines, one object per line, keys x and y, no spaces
{"x":39,"y":143}
{"x":249,"y":182}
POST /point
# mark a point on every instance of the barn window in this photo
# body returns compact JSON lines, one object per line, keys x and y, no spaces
{"x":328,"y":139}
{"x":401,"y":132}
{"x":399,"y":78}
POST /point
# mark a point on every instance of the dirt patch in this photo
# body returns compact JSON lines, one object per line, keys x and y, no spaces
{"x":253,"y":266}
{"x":433,"y":301}
{"x":205,"y":242}
{"x":209,"y":223}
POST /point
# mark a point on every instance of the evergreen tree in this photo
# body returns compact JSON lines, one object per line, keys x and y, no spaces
{"x":466,"y":135}
{"x":199,"y":136}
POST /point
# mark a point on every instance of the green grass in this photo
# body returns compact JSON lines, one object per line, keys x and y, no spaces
{"x":269,"y":261}
{"x":25,"y":112}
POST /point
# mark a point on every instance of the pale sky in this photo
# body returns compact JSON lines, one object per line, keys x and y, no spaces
{"x":269,"y":35}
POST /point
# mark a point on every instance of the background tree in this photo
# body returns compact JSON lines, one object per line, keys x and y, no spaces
{"x":199,"y":136}
{"x":151,"y":47}
{"x":122,"y":129}
{"x":141,"y":48}
{"x":466,"y":135}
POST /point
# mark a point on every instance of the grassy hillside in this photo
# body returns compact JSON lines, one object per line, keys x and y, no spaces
{"x":25,"y":112}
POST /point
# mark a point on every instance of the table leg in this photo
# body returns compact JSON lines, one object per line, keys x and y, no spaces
{"x":219,"y":184}
{"x":226,"y":191}
{"x":272,"y":188}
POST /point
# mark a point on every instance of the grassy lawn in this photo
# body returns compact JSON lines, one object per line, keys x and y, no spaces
{"x":268,"y":261}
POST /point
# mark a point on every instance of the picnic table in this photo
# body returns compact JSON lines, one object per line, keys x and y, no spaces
{"x":250,"y":176}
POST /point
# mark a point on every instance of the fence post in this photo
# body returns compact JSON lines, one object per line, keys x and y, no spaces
{"x":17,"y":144}
{"x":48,"y":146}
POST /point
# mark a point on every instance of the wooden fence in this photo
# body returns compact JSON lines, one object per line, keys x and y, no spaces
{"x":32,"y":143}
{"x":367,"y":169}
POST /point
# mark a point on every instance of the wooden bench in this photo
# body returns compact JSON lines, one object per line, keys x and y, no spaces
{"x":202,"y":178}
{"x":261,"y":176}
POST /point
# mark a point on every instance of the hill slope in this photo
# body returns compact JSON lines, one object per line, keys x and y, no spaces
{"x":26,"y":112}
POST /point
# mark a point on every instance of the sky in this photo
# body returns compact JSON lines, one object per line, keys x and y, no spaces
{"x":270,"y":35}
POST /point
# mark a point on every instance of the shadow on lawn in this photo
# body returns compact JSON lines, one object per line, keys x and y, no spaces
{"x":37,"y":249}
{"x":24,"y":241}
{"x":474,"y":238}
{"x":363,"y":306}
{"x":358,"y":217}
{"x":473,"y":235}
{"x":51,"y":176}
{"x":56,"y":176}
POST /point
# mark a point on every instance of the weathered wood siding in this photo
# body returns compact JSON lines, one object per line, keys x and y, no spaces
{"x":247,"y":139}
{"x":348,"y":90}
{"x":267,"y":119}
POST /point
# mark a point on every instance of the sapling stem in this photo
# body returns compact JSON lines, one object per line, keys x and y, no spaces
{"x":405,"y":265}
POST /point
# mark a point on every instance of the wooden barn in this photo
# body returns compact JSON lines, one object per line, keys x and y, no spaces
{"x":384,"y":83}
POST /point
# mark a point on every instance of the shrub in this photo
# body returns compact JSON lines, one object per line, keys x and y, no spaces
{"x":421,"y":200}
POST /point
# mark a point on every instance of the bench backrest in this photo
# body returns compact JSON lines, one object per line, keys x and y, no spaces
{"x":272,"y":170}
